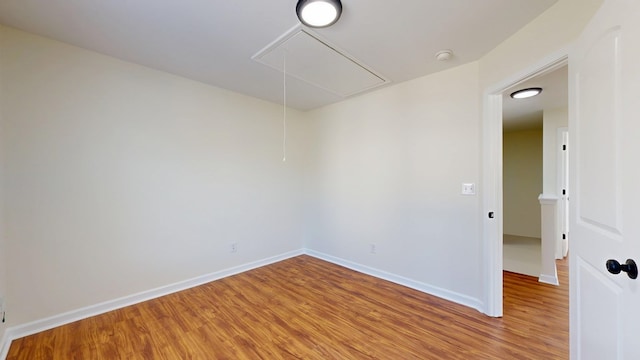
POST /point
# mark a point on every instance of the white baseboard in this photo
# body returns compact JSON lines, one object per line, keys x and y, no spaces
{"x":19,"y":331}
{"x":37,"y":326}
{"x":549,"y":279}
{"x":416,"y":285}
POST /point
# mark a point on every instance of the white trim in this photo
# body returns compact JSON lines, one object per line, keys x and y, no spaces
{"x":19,"y":331}
{"x":492,"y":175}
{"x":400,"y":280}
{"x":492,"y":203}
{"x":549,"y":279}
{"x":563,"y":183}
{"x":37,"y":326}
{"x":5,"y":345}
{"x":549,"y":219}
{"x":548,"y":199}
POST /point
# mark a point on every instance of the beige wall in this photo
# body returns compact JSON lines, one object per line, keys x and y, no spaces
{"x":121,"y":179}
{"x":522,"y":182}
{"x":552,"y":31}
{"x":389,"y":167}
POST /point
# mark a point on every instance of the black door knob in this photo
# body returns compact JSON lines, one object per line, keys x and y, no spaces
{"x":614,"y":267}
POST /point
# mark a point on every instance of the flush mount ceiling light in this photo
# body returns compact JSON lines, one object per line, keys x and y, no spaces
{"x":319,"y":13}
{"x":526,"y":93}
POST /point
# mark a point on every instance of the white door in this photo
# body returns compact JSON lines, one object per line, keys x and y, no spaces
{"x":604,"y":125}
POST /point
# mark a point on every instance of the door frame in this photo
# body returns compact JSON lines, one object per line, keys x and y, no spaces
{"x":492,"y":188}
{"x":563,"y":184}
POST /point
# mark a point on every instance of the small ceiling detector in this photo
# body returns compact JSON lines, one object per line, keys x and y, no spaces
{"x":444,"y":55}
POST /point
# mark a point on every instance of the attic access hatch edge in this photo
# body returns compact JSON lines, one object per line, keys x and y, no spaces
{"x":319,"y":63}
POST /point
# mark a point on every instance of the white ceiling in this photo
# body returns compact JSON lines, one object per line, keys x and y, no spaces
{"x":524,"y":114}
{"x":213,"y":41}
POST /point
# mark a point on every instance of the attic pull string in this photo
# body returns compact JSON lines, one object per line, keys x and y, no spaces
{"x":284,"y":110}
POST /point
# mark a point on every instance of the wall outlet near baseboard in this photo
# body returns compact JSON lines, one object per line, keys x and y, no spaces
{"x":233,"y":247}
{"x":372,"y":248}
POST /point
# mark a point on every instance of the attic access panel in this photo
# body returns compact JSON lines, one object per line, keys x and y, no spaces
{"x":318,"y":63}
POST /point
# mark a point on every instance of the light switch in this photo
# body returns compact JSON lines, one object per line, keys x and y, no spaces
{"x":468,"y":189}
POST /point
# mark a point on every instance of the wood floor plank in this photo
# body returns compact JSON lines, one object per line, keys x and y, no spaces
{"x":305,"y":308}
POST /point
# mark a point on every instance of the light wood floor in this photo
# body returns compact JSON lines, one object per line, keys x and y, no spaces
{"x":304,"y":308}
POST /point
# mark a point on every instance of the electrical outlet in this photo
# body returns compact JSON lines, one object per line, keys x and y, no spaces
{"x":234,"y":247}
{"x":372,"y":248}
{"x":468,"y":189}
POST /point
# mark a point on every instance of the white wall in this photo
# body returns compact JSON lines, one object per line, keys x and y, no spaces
{"x":522,"y":182}
{"x":121,"y":179}
{"x":552,"y":31}
{"x":552,"y":119}
{"x":388,"y":171}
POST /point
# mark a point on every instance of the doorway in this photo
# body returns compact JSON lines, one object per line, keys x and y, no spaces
{"x":532,"y":175}
{"x":522,"y":186}
{"x":494,"y":98}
